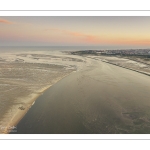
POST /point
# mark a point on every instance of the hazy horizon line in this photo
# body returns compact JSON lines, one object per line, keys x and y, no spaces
{"x":102,"y":47}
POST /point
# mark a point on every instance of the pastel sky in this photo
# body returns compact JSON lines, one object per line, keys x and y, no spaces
{"x":112,"y":31}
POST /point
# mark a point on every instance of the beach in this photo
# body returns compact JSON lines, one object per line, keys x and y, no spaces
{"x":57,"y":92}
{"x":24,"y":76}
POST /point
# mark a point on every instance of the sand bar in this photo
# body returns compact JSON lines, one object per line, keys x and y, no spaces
{"x":24,"y":77}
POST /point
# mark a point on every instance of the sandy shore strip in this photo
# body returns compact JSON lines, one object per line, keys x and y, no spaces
{"x":19,"y":114}
{"x":139,"y":71}
{"x":134,"y":65}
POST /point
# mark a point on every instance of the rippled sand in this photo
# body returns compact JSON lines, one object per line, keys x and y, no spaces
{"x":24,"y":76}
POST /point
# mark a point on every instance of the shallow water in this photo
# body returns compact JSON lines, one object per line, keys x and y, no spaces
{"x":100,"y":98}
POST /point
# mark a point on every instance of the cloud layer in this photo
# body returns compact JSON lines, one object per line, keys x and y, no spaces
{"x":5,"y":21}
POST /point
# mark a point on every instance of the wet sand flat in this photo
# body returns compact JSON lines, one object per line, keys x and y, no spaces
{"x":26,"y":75}
{"x":100,"y":98}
